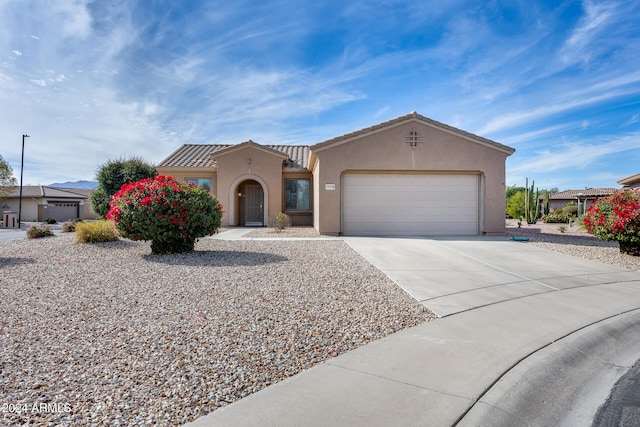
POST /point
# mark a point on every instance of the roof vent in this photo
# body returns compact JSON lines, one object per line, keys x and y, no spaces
{"x":412,"y":138}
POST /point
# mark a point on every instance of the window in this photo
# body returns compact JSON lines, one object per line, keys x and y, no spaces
{"x":202,"y":182}
{"x":297,"y":194}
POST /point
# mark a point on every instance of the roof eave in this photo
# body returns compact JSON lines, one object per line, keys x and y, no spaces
{"x":629,"y":180}
{"x":412,"y":117}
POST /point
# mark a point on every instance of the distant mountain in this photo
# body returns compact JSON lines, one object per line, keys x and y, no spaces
{"x":85,"y":185}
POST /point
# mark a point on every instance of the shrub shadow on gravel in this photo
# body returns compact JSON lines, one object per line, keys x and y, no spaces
{"x":217,"y":258}
{"x":8,"y":262}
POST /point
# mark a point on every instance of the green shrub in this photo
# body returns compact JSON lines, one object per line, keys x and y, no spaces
{"x":617,"y":217}
{"x":172,"y":214}
{"x":70,"y":226}
{"x":558,"y":216}
{"x":49,"y":221}
{"x":562,"y":228}
{"x":74,"y":220}
{"x":281,"y":221}
{"x":36,"y":231}
{"x":96,"y":232}
{"x":571,"y":210}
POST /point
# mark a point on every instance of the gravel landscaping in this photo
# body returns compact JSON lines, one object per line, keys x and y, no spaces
{"x":107,"y":334}
{"x":574,"y":241}
{"x":294,"y":232}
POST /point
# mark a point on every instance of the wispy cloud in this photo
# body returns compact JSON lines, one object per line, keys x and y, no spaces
{"x":577,"y":155}
{"x":597,"y":18}
{"x":120,"y":78}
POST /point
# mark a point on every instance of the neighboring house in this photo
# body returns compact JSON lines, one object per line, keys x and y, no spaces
{"x":632,"y":181}
{"x":407,"y":176}
{"x":40,"y":202}
{"x":583,"y":198}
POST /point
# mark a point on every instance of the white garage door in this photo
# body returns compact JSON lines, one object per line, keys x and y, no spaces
{"x":410,"y":205}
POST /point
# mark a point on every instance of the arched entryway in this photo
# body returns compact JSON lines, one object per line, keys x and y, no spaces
{"x":251,"y":206}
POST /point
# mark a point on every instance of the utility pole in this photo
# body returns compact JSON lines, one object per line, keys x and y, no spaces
{"x":21,"y":173}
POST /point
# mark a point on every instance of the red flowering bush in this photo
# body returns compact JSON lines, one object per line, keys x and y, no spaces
{"x":617,"y":217}
{"x":172,"y":214}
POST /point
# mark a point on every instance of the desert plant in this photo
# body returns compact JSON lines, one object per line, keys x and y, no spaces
{"x":37,"y":231}
{"x":169,"y":213}
{"x":96,"y":232}
{"x":557,"y":216}
{"x":571,"y":209}
{"x":69,"y":226}
{"x":49,"y":221}
{"x":281,"y":221}
{"x":532,"y":203}
{"x":617,"y":217}
{"x":545,"y":203}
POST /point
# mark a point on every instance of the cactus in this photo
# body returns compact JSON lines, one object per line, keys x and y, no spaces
{"x":531,"y":203}
{"x":545,"y":203}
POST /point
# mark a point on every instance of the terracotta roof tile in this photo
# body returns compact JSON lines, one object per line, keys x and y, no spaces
{"x":200,"y":155}
{"x":587,"y":192}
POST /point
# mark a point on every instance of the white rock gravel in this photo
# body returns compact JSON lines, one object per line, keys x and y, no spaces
{"x":289,"y":232}
{"x":108,"y":334}
{"x":573,"y":241}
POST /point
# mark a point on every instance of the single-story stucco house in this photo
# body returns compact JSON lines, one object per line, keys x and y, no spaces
{"x":407,"y":176}
{"x":632,"y":181}
{"x":40,"y":202}
{"x":584,"y":198}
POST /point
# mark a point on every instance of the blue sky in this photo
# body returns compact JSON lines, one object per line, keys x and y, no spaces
{"x":90,"y":81}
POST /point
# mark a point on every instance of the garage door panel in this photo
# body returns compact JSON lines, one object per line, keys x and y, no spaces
{"x":410,"y":204}
{"x":61,"y":211}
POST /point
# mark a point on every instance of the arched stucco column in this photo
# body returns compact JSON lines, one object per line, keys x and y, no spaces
{"x":233,"y":190}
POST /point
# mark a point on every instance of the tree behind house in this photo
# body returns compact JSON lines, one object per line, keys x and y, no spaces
{"x":7,"y":181}
{"x":112,"y":174}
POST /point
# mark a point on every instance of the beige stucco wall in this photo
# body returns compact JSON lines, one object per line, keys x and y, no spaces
{"x":249,"y":162}
{"x":29,"y":207}
{"x":386,"y":150}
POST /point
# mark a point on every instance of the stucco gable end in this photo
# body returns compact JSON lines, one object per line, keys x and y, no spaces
{"x":409,"y":118}
{"x":245,"y":145}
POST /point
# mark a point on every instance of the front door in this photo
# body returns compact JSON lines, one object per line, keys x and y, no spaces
{"x":253,"y":205}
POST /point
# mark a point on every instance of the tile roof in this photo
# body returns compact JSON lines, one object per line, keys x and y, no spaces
{"x":413,"y":116}
{"x":630,"y":180}
{"x":200,"y":156}
{"x":587,"y":192}
{"x":42,"y":191}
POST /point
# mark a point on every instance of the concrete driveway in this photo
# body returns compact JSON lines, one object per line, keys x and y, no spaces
{"x":528,"y":337}
{"x":451,"y":275}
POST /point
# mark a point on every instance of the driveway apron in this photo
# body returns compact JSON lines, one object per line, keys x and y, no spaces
{"x":511,"y":311}
{"x":451,"y":275}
